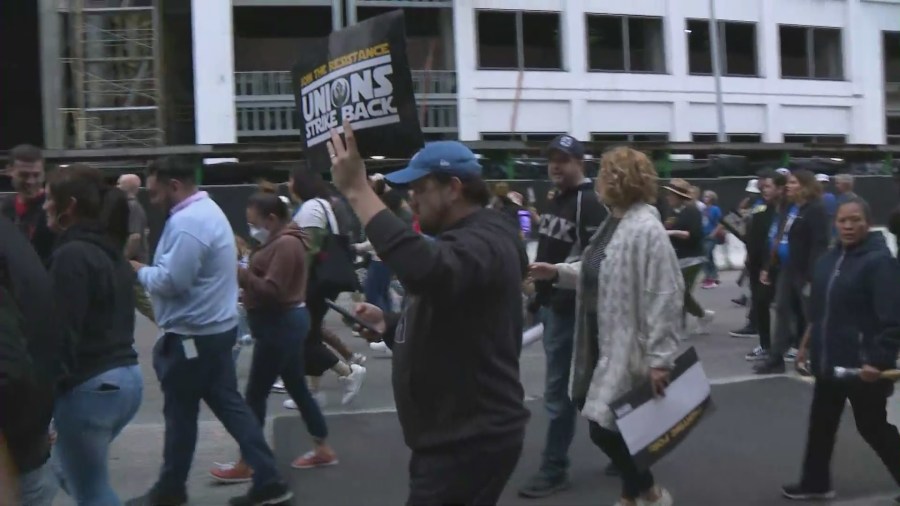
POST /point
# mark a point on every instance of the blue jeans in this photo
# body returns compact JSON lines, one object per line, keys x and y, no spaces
{"x":38,"y":487}
{"x":709,"y":266}
{"x":378,"y":285}
{"x":88,"y":418}
{"x":209,"y":376}
{"x":559,"y":335}
{"x":280,"y":336}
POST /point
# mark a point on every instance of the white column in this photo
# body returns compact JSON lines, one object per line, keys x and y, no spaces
{"x":466,"y":58}
{"x":214,"y":108}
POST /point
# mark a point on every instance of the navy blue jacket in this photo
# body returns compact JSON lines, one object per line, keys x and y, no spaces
{"x":855,"y":307}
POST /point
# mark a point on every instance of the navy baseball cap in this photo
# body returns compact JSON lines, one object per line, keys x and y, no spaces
{"x":568,"y":145}
{"x":440,"y":157}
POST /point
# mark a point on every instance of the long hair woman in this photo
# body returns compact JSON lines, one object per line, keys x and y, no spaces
{"x":274,"y":290}
{"x":854,"y":323}
{"x":628,"y":311}
{"x":801,"y":237}
{"x":94,"y":291}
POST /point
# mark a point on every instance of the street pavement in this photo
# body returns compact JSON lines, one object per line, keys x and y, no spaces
{"x":740,"y":455}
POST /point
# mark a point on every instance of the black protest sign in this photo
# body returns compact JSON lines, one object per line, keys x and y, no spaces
{"x":360,"y":73}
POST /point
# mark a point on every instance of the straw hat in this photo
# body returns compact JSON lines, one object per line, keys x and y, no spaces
{"x":752,"y":186}
{"x":679,"y":187}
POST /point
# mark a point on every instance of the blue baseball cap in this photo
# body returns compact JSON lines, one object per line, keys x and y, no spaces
{"x":440,"y":157}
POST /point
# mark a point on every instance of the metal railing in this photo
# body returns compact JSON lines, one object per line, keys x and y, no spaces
{"x":264,"y":102}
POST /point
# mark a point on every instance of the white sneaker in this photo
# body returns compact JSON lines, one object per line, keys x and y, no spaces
{"x":246,"y":340}
{"x":278,"y":387}
{"x":703,"y":322}
{"x":381,"y":349}
{"x":353,"y":382}
{"x":357,"y":358}
{"x":289,"y":404}
{"x":665,"y":499}
{"x":791,"y":355}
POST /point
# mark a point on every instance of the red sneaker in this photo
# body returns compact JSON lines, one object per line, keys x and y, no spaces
{"x":315,"y":459}
{"x":238,"y":472}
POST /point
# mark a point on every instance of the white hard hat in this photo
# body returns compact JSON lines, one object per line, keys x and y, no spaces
{"x":783,"y":171}
{"x":822,"y":178}
{"x":752,"y":186}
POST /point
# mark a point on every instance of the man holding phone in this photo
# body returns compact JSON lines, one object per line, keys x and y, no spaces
{"x":462,"y":405}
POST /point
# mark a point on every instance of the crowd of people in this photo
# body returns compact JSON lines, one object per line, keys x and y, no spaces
{"x":616,"y":263}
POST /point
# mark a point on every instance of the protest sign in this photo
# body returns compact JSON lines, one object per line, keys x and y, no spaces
{"x":360,"y":73}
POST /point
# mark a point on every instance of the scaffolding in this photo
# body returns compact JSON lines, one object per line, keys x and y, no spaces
{"x":112,"y":57}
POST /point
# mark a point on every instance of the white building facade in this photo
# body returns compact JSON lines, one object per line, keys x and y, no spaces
{"x":793,"y":70}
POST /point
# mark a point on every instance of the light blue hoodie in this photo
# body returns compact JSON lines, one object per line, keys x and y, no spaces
{"x":193,"y":279}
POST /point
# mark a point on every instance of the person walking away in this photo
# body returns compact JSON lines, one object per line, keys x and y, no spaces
{"x":567,"y":224}
{"x":829,"y":199}
{"x":629,"y":295}
{"x":458,"y":339}
{"x":751,"y":204}
{"x":712,"y":236}
{"x":193,"y":285}
{"x":137,"y":248}
{"x":763,"y":218}
{"x":685,"y":229}
{"x":317,"y":219}
{"x":806,"y":231}
{"x":30,"y":366}
{"x":274,"y":286}
{"x":93,"y":289}
{"x":25,"y":208}
{"x":854,"y":323}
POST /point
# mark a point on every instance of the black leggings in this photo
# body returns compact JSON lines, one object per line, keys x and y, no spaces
{"x":319,"y":358}
{"x":691,"y":306}
{"x":634,"y":481}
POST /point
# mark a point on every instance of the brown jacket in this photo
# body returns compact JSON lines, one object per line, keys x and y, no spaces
{"x":276,"y":277}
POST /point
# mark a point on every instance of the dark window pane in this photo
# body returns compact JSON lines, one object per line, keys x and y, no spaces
{"x":699,"y":52}
{"x":609,"y":137}
{"x":892,"y":57}
{"x":794,"y":53}
{"x":829,"y":56}
{"x":830,"y":139}
{"x":704,"y":137}
{"x":748,"y":138}
{"x":645,"y":44}
{"x":893,"y":125}
{"x":541,"y":39}
{"x":740,"y":49}
{"x":606,"y":50}
{"x":650,"y":137}
{"x":497,"y":40}
{"x":798,"y":139}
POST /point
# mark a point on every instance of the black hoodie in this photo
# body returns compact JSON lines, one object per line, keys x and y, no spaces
{"x":457,"y":344}
{"x":94,"y":291}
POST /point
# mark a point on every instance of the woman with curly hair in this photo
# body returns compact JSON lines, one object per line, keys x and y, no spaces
{"x":628,"y":311}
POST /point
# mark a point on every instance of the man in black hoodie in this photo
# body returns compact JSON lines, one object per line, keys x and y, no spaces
{"x":29,"y":364}
{"x":457,"y":342}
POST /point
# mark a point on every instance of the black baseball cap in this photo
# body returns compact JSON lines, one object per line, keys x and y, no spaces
{"x":566,"y":144}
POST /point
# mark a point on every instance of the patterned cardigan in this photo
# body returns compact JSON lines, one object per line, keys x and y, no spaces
{"x":639,"y":305}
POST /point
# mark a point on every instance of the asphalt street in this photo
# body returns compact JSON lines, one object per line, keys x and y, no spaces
{"x":747,"y":448}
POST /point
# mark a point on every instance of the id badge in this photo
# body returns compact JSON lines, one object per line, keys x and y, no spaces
{"x":190,"y":348}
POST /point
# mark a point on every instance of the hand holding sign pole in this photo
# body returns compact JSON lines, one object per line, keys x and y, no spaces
{"x":348,"y":171}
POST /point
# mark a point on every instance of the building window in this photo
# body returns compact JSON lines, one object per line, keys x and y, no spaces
{"x":893,"y":130}
{"x":737,"y":48}
{"x":814,"y":139}
{"x":519,"y":40}
{"x":625,"y":44}
{"x":520,"y":137}
{"x":811,"y":53}
{"x":623,"y":138}
{"x":740,"y":138}
{"x":891,"y":46}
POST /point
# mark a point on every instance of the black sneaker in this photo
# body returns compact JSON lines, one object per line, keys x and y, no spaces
{"x":770,"y":367}
{"x":611,"y":470}
{"x":271,"y":494}
{"x":757,"y":354}
{"x":542,"y":485}
{"x":799,"y":493}
{"x":155,"y":498}
{"x":747,"y":331}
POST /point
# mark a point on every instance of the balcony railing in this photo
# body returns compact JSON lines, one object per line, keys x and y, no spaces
{"x":265,"y":105}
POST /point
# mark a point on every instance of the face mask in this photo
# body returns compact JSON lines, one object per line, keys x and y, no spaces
{"x":260,"y":234}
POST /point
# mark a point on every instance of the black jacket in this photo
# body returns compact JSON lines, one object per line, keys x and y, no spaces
{"x":24,"y":421}
{"x":33,"y":224}
{"x":93,"y":285}
{"x":757,"y":237}
{"x":690,"y":220}
{"x":808,"y":240}
{"x":854,"y":307}
{"x":457,"y":343}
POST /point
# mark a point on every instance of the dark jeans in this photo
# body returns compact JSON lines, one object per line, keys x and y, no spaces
{"x":868,"y":401}
{"x":709,"y":266}
{"x":761,"y":297}
{"x":559,"y":336}
{"x":473,"y":474}
{"x":791,"y":306}
{"x":280,"y":335}
{"x":691,"y":306}
{"x":378,"y":285}
{"x":634,"y":481}
{"x":319,"y":358}
{"x":210,"y":377}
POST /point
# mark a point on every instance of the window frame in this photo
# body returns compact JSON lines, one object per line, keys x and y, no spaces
{"x":723,"y":47}
{"x":729,"y":137}
{"x":520,"y":41}
{"x":629,"y":137}
{"x":809,"y":34}
{"x":626,"y":44}
{"x":814,"y":138}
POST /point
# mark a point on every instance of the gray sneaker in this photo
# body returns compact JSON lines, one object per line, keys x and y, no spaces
{"x":542,"y":485}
